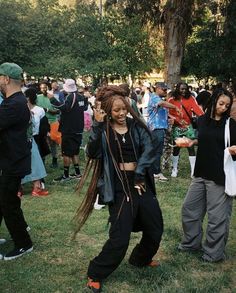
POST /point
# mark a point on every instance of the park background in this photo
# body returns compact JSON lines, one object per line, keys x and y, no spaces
{"x":121,"y":40}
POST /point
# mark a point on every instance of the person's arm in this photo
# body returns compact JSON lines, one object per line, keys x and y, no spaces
{"x":169,"y":105}
{"x":66,"y":105}
{"x":232,"y":148}
{"x":177,"y":116}
{"x":52,"y":111}
{"x":94,"y":146}
{"x":145,"y":160}
{"x":196,"y":108}
{"x":193,"y":142}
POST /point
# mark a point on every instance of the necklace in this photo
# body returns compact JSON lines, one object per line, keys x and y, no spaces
{"x":123,"y":138}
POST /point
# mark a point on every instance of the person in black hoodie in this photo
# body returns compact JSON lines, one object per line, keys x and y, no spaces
{"x":71,"y":127}
{"x":15,"y":154}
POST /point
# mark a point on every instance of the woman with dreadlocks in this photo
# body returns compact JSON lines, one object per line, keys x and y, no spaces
{"x":120,"y":153}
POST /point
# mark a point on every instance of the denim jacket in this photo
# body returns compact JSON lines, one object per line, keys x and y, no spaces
{"x":97,"y":148}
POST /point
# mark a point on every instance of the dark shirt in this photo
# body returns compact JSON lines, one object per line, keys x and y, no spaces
{"x":210,"y":154}
{"x":126,"y":148}
{"x":72,"y":113}
{"x":15,"y":148}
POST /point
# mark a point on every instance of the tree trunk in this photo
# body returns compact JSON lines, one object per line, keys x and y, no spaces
{"x":177,"y":16}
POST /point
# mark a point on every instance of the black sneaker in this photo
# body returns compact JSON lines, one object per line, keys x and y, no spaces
{"x":17,"y":252}
{"x":61,"y":179}
{"x":75,"y":176}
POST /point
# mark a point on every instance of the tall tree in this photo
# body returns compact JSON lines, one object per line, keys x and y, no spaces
{"x":177,"y":20}
{"x":229,"y":40}
{"x":175,"y":16}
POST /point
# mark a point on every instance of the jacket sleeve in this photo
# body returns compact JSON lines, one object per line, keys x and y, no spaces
{"x":94,"y":146}
{"x":66,"y":105}
{"x":147,"y":155}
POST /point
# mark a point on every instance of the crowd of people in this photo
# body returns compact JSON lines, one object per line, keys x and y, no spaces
{"x":133,"y":135}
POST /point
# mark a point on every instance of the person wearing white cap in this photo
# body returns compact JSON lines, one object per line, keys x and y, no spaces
{"x":71,"y":127}
{"x":145,"y":99}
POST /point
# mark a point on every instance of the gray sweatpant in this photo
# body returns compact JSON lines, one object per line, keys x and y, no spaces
{"x":205,"y":196}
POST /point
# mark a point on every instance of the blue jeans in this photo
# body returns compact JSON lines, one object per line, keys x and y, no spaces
{"x":158,"y":139}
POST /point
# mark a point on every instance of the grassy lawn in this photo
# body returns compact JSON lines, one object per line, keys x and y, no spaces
{"x":59,"y":264}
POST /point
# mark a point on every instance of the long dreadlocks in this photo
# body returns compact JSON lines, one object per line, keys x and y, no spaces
{"x":106,"y":95}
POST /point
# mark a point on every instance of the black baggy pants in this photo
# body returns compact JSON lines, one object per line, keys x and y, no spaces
{"x":146,"y":217}
{"x":10,"y":211}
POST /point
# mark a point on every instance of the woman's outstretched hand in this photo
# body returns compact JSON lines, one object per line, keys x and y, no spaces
{"x":99,"y":113}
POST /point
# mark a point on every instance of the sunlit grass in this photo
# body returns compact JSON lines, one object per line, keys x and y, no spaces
{"x":58,"y":264}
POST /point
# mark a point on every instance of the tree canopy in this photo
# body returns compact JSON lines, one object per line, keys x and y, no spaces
{"x":130,"y":38}
{"x":48,"y":39}
{"x":211,"y":49}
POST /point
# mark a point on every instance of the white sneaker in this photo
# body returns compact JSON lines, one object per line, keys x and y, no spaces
{"x":160,"y":177}
{"x":174,"y":173}
{"x":2,"y":241}
{"x":42,"y":185}
{"x":1,"y":256}
{"x":98,"y":206}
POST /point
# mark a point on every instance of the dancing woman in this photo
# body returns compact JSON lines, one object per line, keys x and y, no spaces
{"x":120,"y":152}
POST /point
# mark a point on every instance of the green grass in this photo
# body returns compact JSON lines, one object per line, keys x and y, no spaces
{"x":58,"y":264}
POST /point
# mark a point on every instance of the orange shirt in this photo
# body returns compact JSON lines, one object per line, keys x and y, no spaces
{"x":190,"y":105}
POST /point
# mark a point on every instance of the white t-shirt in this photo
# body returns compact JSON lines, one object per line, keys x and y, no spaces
{"x":38,"y":113}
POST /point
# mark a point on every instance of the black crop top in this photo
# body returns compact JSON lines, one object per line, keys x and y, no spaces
{"x":127,"y":148}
